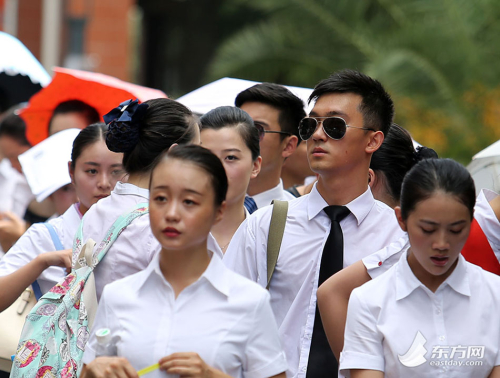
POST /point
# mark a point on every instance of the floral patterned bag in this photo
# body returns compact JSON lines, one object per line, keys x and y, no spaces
{"x":57,"y":328}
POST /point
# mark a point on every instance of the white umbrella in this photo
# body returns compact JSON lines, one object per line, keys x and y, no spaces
{"x":485,"y":168}
{"x":223,"y":92}
{"x":21,"y":75}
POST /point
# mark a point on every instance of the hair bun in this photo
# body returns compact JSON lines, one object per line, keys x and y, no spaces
{"x":422,"y":152}
{"x":124,"y":124}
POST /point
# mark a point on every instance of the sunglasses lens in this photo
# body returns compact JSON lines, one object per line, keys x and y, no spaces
{"x":307,"y":127}
{"x":260,"y":129}
{"x":334,"y":127}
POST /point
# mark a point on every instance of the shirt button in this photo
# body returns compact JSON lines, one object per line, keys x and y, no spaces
{"x":441,"y":338}
{"x":438,"y":311}
{"x":304,"y":369}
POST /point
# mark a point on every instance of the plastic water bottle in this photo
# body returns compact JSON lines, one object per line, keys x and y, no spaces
{"x":106,"y":345}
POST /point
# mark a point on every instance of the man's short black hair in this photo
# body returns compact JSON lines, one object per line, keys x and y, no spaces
{"x":14,"y":127}
{"x":376,"y":106}
{"x":76,"y":106}
{"x":291,"y":107}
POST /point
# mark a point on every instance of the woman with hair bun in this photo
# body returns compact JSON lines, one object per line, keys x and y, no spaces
{"x":230,"y":133}
{"x":142,"y":132}
{"x":186,"y":315}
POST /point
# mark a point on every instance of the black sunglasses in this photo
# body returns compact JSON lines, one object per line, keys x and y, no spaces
{"x":334,"y":127}
{"x":263,"y":132}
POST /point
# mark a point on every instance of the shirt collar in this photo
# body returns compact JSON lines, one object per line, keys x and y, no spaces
{"x":359,"y":207}
{"x":215,"y":274}
{"x":407,"y":282}
{"x":265,"y":198}
{"x":122,"y":188}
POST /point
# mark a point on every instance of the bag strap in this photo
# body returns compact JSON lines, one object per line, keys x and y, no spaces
{"x":276,"y":230}
{"x":59,"y":247}
{"x":54,"y":237}
{"x":86,"y":253}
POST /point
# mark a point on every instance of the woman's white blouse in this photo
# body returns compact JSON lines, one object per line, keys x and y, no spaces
{"x":37,"y":240}
{"x":135,"y":247}
{"x":223,"y":317}
{"x":397,"y":325}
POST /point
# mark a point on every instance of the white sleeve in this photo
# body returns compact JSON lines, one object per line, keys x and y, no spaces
{"x":264,"y":356}
{"x":103,"y":319}
{"x":382,"y":260}
{"x":363,"y":347}
{"x":485,"y":216}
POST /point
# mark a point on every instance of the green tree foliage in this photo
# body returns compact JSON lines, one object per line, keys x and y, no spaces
{"x":438,"y":59}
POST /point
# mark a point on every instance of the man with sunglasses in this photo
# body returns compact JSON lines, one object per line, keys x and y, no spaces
{"x":276,"y":112}
{"x":351,"y":114}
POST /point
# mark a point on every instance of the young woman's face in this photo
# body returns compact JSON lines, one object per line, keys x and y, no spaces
{"x":236,"y":157}
{"x":181,"y":205}
{"x":438,"y":228}
{"x":96,"y":173}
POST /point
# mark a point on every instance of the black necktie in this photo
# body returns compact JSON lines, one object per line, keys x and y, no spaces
{"x":322,"y":362}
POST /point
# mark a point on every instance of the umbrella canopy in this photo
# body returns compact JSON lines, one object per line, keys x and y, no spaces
{"x":100,"y":91}
{"x":21,"y":75}
{"x":485,"y":168}
{"x":223,"y":92}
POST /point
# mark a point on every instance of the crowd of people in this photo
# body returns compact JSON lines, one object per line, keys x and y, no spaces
{"x":375,"y":273}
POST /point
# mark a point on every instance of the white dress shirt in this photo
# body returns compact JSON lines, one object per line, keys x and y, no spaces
{"x":370,"y":226}
{"x":397,"y":325}
{"x":223,"y":317}
{"x":37,"y":240}
{"x":381,"y":261}
{"x":136,"y":246}
{"x":276,"y":193}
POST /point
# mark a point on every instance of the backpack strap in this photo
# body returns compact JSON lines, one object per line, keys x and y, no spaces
{"x":276,"y":230}
{"x":54,"y":237}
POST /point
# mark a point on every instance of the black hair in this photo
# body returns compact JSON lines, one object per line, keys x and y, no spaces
{"x":165,"y":122}
{"x":230,"y":116}
{"x":291,"y":107}
{"x":88,"y":136}
{"x":432,"y":175}
{"x":204,"y":159}
{"x":14,"y":127}
{"x":396,"y":156}
{"x":376,"y":105}
{"x":76,"y":106}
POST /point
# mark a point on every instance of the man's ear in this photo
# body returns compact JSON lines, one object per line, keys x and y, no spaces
{"x":375,"y":141}
{"x":289,"y":146}
{"x":257,"y":164}
{"x":400,"y":219}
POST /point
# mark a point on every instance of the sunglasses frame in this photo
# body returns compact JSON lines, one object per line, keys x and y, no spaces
{"x":263,"y":132}
{"x":320,"y":120}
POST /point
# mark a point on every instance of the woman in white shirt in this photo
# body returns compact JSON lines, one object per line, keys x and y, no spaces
{"x":230,"y":133}
{"x":142,"y":132}
{"x":432,"y":313}
{"x":187,"y":312}
{"x":94,"y":171}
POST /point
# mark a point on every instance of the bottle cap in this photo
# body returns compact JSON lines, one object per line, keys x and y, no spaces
{"x":103,"y":336}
